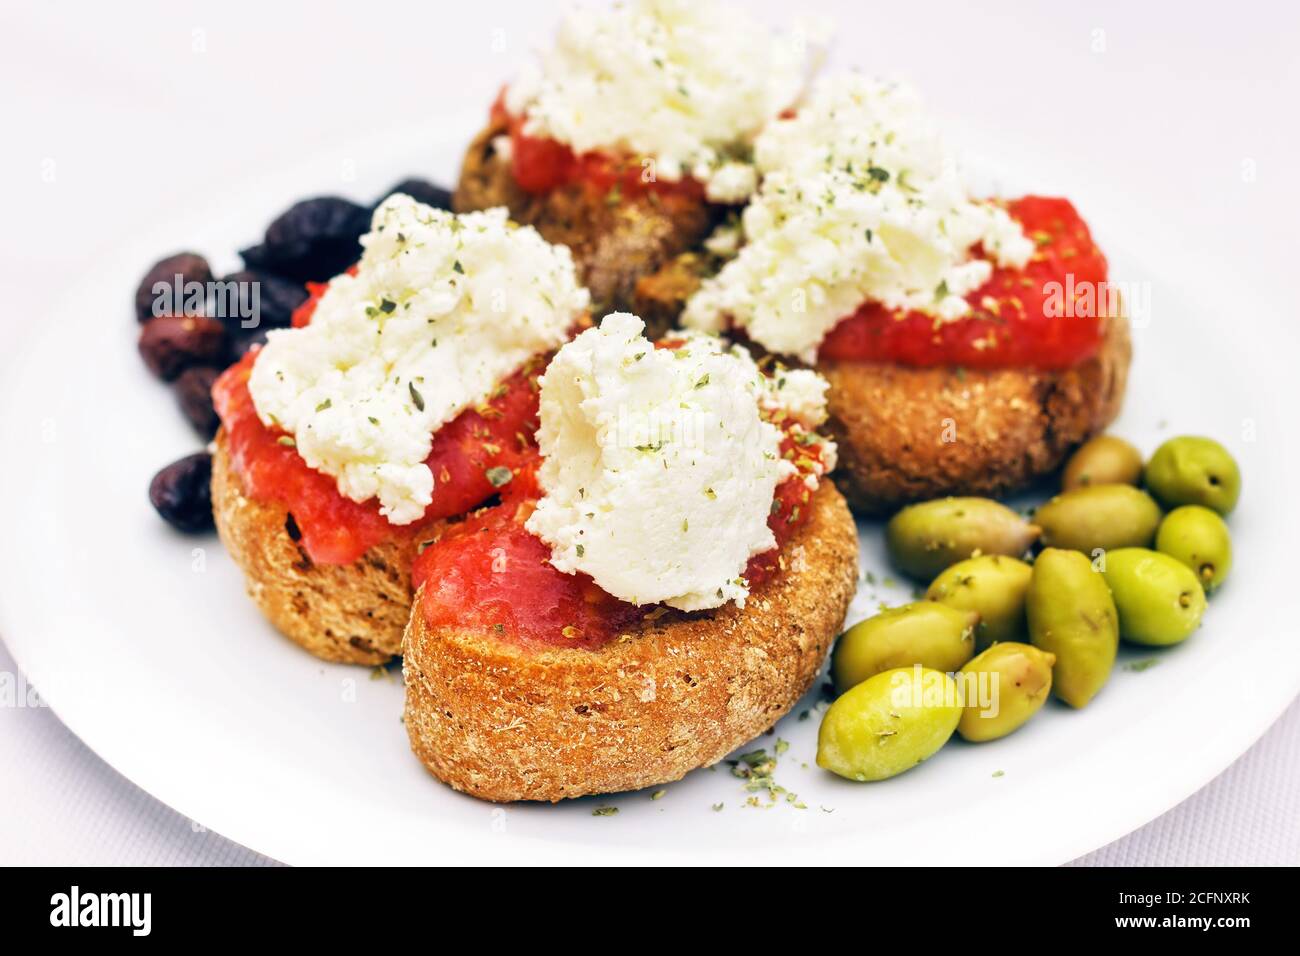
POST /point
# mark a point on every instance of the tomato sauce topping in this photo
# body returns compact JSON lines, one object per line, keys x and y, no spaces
{"x":470,"y":458}
{"x":489,"y":574}
{"x":1047,"y":315}
{"x":540,"y":165}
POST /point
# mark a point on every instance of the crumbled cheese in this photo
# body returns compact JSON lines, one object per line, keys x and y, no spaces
{"x":800,"y":393}
{"x":658,"y":468}
{"x":860,"y":201}
{"x":685,"y":83}
{"x":724,"y":241}
{"x":442,"y":308}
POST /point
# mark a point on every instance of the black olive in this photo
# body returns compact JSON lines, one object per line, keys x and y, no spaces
{"x":190,"y":266}
{"x":277,"y":298}
{"x":423,"y":191}
{"x":193,"y":389}
{"x":312,"y":241}
{"x":181,"y":493}
{"x":169,"y":344}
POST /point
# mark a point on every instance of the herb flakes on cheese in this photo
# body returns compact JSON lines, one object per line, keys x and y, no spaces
{"x":442,"y":308}
{"x":659,"y":468}
{"x":860,"y":201}
{"x":686,"y":83}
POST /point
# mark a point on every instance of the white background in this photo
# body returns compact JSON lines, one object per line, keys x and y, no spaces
{"x":117,"y":118}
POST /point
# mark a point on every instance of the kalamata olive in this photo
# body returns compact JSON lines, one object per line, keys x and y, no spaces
{"x":182,"y":495}
{"x":423,"y":191}
{"x":190,"y":266}
{"x":194,"y":392}
{"x":313,"y":240}
{"x":264,"y":300}
{"x":169,"y":344}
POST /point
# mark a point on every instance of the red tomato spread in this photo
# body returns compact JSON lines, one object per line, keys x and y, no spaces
{"x":1047,"y":315}
{"x":540,"y":165}
{"x":490,"y":575}
{"x":466,"y":459}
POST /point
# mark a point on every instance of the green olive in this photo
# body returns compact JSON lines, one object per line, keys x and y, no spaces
{"x":932,"y":635}
{"x":1072,"y":615}
{"x":1104,"y":460}
{"x":1199,"y":538}
{"x":1002,"y":688}
{"x":1158,"y":598}
{"x":1190,"y":470}
{"x":924,"y":539}
{"x":889,"y":723}
{"x":993,"y":586}
{"x":1099,"y":517}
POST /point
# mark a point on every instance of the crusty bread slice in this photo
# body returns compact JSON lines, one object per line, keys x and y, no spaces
{"x":615,"y":238}
{"x":504,"y":722}
{"x":908,"y":434}
{"x":353,"y":613}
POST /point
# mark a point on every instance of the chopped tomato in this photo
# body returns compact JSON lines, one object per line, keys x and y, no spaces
{"x":1048,"y":315}
{"x":468,"y":453}
{"x":540,"y":165}
{"x":491,"y":575}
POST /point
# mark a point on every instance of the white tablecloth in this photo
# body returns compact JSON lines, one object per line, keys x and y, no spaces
{"x":63,"y":805}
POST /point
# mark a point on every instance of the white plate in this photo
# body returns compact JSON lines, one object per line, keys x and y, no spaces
{"x":145,"y":645}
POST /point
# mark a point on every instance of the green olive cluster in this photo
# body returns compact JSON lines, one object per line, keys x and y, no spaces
{"x":1129,"y":551}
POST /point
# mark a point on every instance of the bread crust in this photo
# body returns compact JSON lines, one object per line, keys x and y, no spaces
{"x":613,"y":242}
{"x":351,"y":614}
{"x":504,"y":722}
{"x":909,"y":434}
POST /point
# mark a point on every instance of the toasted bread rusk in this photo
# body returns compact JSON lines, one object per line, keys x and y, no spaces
{"x":353,"y":613}
{"x":908,"y":434}
{"x":615,"y":239}
{"x":505,"y":722}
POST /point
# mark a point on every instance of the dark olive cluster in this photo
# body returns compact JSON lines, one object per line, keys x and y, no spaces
{"x":187,"y":337}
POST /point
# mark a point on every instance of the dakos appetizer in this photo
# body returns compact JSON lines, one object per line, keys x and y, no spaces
{"x":970,"y":344}
{"x":660,"y":588}
{"x":404,"y":396}
{"x":633,"y":135}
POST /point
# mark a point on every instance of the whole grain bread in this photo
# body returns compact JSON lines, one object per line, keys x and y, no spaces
{"x":353,"y":613}
{"x":505,"y":722}
{"x":615,"y":237}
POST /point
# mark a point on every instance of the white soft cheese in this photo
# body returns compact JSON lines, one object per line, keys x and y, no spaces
{"x":658,"y":468}
{"x":442,"y":308}
{"x":860,"y":201}
{"x":686,"y":83}
{"x":801,"y":394}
